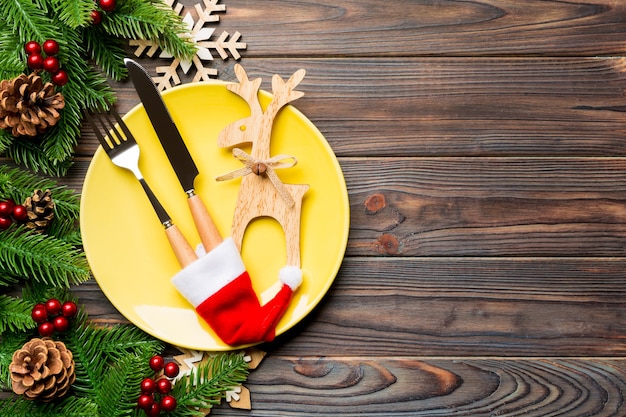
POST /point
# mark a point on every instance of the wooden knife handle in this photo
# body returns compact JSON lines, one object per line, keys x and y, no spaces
{"x":183,"y":251}
{"x":209,"y":235}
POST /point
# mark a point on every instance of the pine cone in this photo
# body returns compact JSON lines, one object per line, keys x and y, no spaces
{"x":42,"y":369}
{"x":40,"y":209}
{"x":28,"y":106}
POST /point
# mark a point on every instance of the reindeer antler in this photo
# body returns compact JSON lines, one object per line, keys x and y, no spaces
{"x":284,"y":92}
{"x":247,"y":89}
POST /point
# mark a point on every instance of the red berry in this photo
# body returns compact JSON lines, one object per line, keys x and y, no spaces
{"x":45,"y":329}
{"x":154,"y":410}
{"x":51,"y":64}
{"x":39,"y":313}
{"x":51,"y":47}
{"x":5,"y":222}
{"x":35,"y":61}
{"x":69,"y":309}
{"x":148,"y":386}
{"x":157,"y":363}
{"x":107,"y":5}
{"x":164,"y":386}
{"x":53,"y":306}
{"x":6,"y":207}
{"x":96,"y":17}
{"x":20,"y":213}
{"x":145,"y":401}
{"x":32,"y":47}
{"x":171,"y":370}
{"x":168,"y":403}
{"x":60,"y":78}
{"x":61,"y":324}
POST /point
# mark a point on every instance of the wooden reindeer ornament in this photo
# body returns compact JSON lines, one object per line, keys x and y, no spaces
{"x":262,"y":193}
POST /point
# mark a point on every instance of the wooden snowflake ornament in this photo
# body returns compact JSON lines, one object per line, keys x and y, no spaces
{"x":201,"y":35}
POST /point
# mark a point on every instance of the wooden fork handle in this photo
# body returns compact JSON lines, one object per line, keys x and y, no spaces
{"x":209,"y":235}
{"x":183,"y":251}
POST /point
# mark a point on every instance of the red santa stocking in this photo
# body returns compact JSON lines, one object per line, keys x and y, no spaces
{"x":219,"y":288}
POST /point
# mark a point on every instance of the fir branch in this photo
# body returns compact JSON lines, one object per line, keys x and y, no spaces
{"x":27,"y":153}
{"x":15,"y":314}
{"x":154,"y":21}
{"x":106,"y":52}
{"x":208,"y":384}
{"x":11,"y":63}
{"x":66,"y":231}
{"x":11,"y":341}
{"x":66,"y":407}
{"x":6,"y":279}
{"x":119,"y":389}
{"x":27,"y":18}
{"x":60,"y":140}
{"x":96,"y":348}
{"x":38,"y":293}
{"x":41,"y":258}
{"x":74,"y":13}
{"x":6,"y":140}
{"x":17,"y":183}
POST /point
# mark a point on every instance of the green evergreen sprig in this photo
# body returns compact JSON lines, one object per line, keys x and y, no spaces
{"x":15,"y":314}
{"x":17,"y":184}
{"x":40,"y":258}
{"x":207,"y":385}
{"x":89,"y":53}
{"x":52,"y":258}
{"x":105,"y":346}
{"x":110,"y":363}
{"x":71,"y":407}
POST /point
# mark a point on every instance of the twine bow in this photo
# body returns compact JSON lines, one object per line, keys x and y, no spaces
{"x":259,"y":167}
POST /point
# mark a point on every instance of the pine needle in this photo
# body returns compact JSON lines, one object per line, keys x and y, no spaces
{"x":67,"y":407}
{"x":207,"y":385}
{"x":41,"y":258}
{"x":96,"y":348}
{"x":17,"y":183}
{"x":15,"y":314}
{"x":74,"y":13}
{"x":120,"y":386}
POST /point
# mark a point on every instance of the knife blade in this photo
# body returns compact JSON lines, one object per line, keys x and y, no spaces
{"x":176,"y":151}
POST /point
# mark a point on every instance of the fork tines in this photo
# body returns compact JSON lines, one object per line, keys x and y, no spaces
{"x":108,"y":124}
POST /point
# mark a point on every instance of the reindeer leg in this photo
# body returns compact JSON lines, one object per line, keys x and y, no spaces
{"x":290,"y":221}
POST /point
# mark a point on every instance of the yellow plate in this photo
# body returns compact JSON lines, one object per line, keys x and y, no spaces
{"x":126,"y":245}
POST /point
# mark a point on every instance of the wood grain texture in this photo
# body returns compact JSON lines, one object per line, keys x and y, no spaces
{"x":452,"y":106}
{"x":487,"y":206}
{"x":437,"y":387}
{"x":435,"y":28}
{"x":468,"y":307}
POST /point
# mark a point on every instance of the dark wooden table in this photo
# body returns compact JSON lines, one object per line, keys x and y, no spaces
{"x":483,"y":145}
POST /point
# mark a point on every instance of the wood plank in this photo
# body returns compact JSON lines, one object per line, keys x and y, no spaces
{"x":462,"y":106}
{"x":486,"y":206}
{"x":451,"y":107}
{"x":442,"y":28}
{"x":454,"y":306}
{"x":467,"y":307}
{"x":435,"y":387}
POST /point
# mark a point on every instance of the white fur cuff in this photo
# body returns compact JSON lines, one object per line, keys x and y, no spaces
{"x":210,"y":273}
{"x":291,"y":276}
